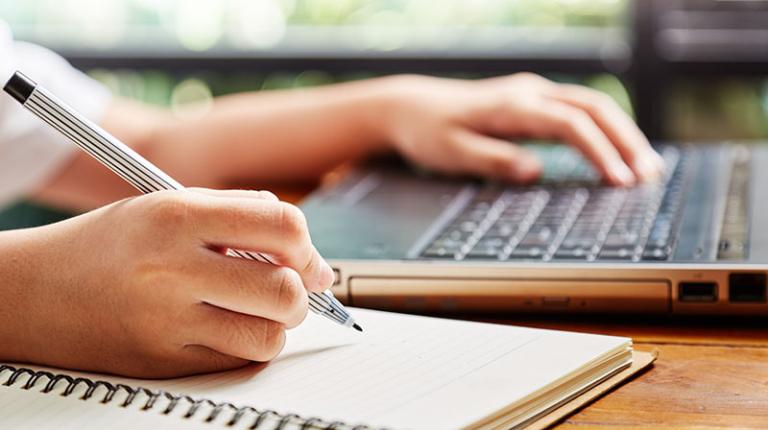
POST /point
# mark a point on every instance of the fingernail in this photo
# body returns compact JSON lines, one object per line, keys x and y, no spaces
{"x":524,"y":174}
{"x":327,"y":277}
{"x":527,"y":170}
{"x":623,"y":175}
{"x":651,"y":171}
{"x":643,"y":170}
{"x":266,"y":195}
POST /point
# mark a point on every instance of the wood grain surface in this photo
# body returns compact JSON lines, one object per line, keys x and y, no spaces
{"x":711,"y":373}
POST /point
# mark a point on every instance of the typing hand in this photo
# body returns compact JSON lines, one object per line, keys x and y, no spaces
{"x":142,"y":287}
{"x":461,"y":127}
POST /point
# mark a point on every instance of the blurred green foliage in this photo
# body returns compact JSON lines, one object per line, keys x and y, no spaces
{"x":725,"y":108}
{"x":164,"y":13}
{"x":717,"y":108}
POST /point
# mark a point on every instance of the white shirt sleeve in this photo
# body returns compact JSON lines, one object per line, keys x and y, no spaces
{"x":30,"y":150}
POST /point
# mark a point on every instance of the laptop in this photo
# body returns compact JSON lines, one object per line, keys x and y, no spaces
{"x":693,"y":243}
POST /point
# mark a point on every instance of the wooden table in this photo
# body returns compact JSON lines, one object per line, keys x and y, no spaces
{"x":711,"y":373}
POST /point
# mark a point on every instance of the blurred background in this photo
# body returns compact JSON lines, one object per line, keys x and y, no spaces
{"x":688,"y":70}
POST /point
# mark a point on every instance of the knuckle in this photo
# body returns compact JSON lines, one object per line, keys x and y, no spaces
{"x":528,"y":76}
{"x":455,"y":151}
{"x":292,"y":221}
{"x":299,"y":318}
{"x":169,"y":208}
{"x":602,"y":103}
{"x":452,"y":143}
{"x":459,"y":163}
{"x":604,"y":99}
{"x":290,"y":294}
{"x":576,"y":121}
{"x":268,"y":338}
{"x":500,"y":166}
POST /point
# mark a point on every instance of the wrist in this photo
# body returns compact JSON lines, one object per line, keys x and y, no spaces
{"x":19,"y":272}
{"x":381,"y":107}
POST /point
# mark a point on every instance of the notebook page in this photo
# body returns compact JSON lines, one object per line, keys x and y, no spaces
{"x":393,"y":374}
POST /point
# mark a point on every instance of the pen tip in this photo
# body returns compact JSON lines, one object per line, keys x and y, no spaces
{"x":357,"y":327}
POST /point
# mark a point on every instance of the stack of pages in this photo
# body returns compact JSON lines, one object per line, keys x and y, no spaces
{"x":403,"y":372}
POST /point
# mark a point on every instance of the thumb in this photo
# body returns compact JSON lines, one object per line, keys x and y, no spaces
{"x":496,"y":158}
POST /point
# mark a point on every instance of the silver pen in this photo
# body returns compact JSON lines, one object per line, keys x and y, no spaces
{"x":134,"y":168}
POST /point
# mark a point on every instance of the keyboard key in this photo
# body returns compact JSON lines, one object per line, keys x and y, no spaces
{"x":468,"y":226}
{"x":571,"y":253}
{"x":617,"y":254}
{"x":658,"y":243}
{"x":484,"y":253}
{"x":571,"y":242}
{"x":449,"y":245}
{"x":473,"y":216}
{"x":534,"y":252}
{"x":656,"y":253}
{"x":538,"y":236}
{"x":456,"y":235}
{"x":491,"y":242}
{"x":502,"y":229}
{"x":486,"y":197}
{"x":439,"y":252}
{"x":621,"y":240}
{"x":516,"y":220}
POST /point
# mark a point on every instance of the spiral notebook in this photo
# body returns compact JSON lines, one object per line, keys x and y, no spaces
{"x":403,"y":372}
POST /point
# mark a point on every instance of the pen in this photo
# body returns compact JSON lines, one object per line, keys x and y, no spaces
{"x":134,"y":168}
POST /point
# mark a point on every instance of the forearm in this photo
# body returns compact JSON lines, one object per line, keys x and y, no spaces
{"x":279,"y":136}
{"x":253,"y":138}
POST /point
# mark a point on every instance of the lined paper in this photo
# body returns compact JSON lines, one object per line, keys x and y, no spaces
{"x":343,"y":374}
{"x":402,"y":372}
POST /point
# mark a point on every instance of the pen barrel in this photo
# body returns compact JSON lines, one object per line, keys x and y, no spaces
{"x":98,"y":143}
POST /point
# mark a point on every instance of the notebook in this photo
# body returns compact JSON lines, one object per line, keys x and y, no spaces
{"x":403,"y":372}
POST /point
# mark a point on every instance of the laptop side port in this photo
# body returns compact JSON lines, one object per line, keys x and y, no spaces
{"x":747,"y":287}
{"x":698,"y":292}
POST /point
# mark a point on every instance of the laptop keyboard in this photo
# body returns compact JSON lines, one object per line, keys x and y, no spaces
{"x":572,"y":221}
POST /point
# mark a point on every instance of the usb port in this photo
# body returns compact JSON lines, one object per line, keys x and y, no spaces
{"x":746,"y":287}
{"x":699,"y":292}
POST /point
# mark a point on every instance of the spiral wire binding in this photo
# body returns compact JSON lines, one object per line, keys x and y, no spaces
{"x":194,"y":405}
